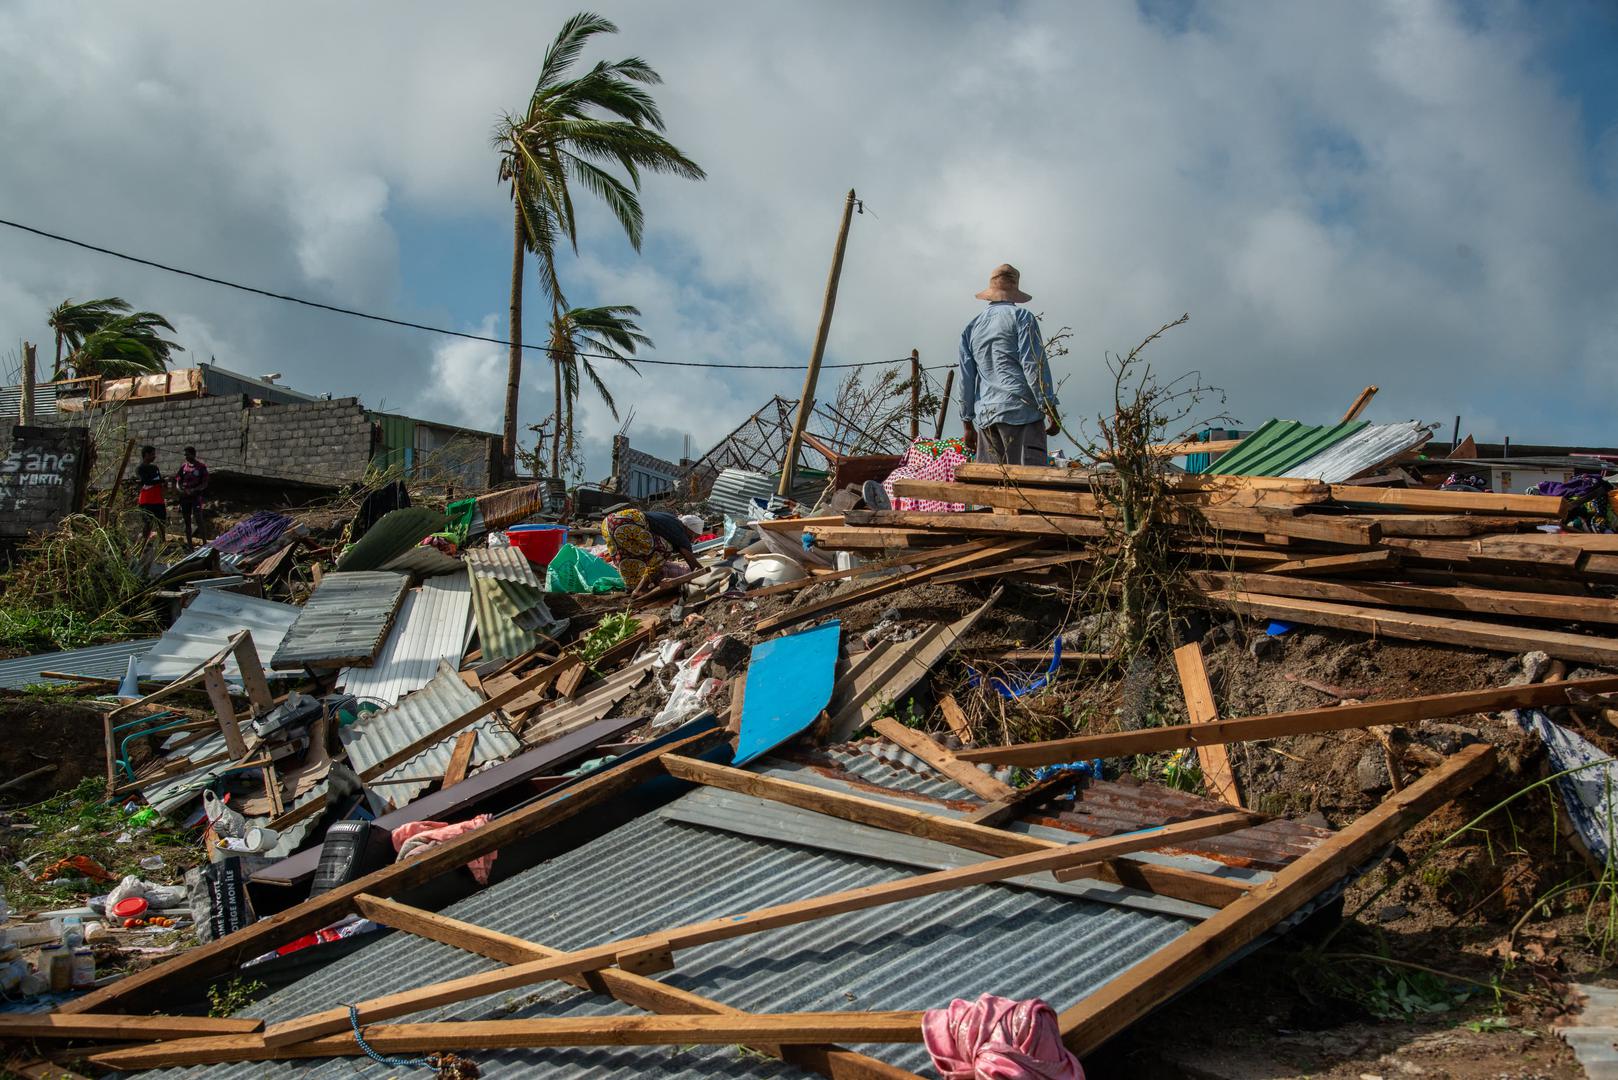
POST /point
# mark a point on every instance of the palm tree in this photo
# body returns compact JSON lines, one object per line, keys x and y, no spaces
{"x":570,"y":130}
{"x":72,"y":323}
{"x":580,"y":335}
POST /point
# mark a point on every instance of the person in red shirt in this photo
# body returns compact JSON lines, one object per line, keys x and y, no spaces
{"x":191,"y":481}
{"x":154,"y":512}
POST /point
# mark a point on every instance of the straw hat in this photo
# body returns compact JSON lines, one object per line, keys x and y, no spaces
{"x":1003,"y":284}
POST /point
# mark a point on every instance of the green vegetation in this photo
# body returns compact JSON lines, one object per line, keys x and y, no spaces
{"x":611,"y":630}
{"x":76,"y":586}
{"x":230,"y":998}
{"x":82,"y":822}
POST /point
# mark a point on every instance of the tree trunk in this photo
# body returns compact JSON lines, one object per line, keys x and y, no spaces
{"x":56,"y":372}
{"x":508,"y":440}
{"x":556,"y":371}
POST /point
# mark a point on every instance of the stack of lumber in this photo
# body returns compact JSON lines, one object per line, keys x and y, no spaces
{"x":1458,"y":568}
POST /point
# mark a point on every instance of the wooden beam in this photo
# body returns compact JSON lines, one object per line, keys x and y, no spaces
{"x":857,"y":538}
{"x":1417,"y":626}
{"x":692,"y":1029}
{"x":1006,"y":497}
{"x":917,"y":559}
{"x":927,"y":522}
{"x":1429,"y":499}
{"x":1337,"y":564}
{"x":893,"y":584}
{"x":1566,"y":609}
{"x":1359,"y":405}
{"x":1142,"y":987}
{"x":146,"y":989}
{"x":332,"y":1021}
{"x":224,"y":710}
{"x":1193,"y":446}
{"x":1200,"y":707}
{"x":1280,"y":725}
{"x":935,"y":754}
{"x":632,"y":989}
{"x":56,"y":1025}
{"x":955,"y":717}
{"x":460,"y":758}
{"x":958,"y":832}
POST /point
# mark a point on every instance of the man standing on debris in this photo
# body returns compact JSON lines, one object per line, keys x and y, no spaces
{"x":1008,"y":404}
{"x":191,"y":481}
{"x":153,"y":513}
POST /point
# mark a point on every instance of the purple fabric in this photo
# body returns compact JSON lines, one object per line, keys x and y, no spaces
{"x":1581,"y":486}
{"x":252,"y":533}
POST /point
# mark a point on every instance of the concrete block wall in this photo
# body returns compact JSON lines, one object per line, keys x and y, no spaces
{"x":323,"y":442}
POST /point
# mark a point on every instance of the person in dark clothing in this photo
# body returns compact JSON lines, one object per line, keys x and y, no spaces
{"x":191,"y":481}
{"x":154,"y":513}
{"x":680,"y":532}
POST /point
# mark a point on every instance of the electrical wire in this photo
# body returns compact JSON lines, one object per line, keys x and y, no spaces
{"x":389,"y":320}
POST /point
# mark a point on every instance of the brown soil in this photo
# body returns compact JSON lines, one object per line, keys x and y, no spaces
{"x":38,"y":731}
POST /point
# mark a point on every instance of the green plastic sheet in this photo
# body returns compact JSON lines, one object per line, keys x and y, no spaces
{"x":575,"y":570}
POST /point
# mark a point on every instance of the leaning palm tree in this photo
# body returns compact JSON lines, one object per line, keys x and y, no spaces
{"x":125,"y":345}
{"x":72,"y":323}
{"x":570,"y":131}
{"x":581,"y":335}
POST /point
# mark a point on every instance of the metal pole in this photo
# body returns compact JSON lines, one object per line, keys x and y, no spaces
{"x":915,"y":395}
{"x":943,"y":406}
{"x":25,"y":411}
{"x":1455,"y":439}
{"x":806,"y":403}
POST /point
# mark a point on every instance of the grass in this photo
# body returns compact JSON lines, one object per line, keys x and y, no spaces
{"x":78,"y":585}
{"x":82,"y":822}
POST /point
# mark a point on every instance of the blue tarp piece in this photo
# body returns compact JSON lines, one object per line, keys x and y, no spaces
{"x":1588,"y":791}
{"x":1025,"y":686}
{"x":789,"y":682}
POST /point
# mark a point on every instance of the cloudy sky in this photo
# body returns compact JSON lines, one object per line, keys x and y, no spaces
{"x":1418,"y":195}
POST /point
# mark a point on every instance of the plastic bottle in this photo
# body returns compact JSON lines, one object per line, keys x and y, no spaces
{"x":82,"y":968}
{"x":72,"y":931}
{"x":56,"y":964}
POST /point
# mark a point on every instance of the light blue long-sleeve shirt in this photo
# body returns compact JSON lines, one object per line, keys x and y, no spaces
{"x":1005,"y":377}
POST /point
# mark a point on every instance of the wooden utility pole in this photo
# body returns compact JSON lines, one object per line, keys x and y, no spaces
{"x":806,"y":404}
{"x":915,"y":395}
{"x":25,"y":411}
{"x":943,"y":406}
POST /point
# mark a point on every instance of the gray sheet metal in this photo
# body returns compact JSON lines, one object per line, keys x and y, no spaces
{"x":432,"y":626}
{"x":425,"y":560}
{"x":346,"y":618}
{"x":99,"y":661}
{"x":1361,"y":452}
{"x":446,"y":697}
{"x":919,"y":954}
{"x":205,"y":626}
{"x":503,"y":564}
{"x":499,"y":634}
{"x":733,"y":490}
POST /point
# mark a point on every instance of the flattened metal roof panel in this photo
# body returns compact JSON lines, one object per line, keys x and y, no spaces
{"x":432,"y":626}
{"x":503,"y":564}
{"x":426,"y":560}
{"x":1279,"y":445}
{"x":913,"y":955}
{"x":378,"y":734}
{"x":344,"y":621}
{"x":205,"y":627}
{"x":1361,"y":452}
{"x":97,"y":661}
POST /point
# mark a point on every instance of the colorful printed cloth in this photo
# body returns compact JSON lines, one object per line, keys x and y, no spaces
{"x":929,"y":459}
{"x":634,"y":547}
{"x":995,"y":1038}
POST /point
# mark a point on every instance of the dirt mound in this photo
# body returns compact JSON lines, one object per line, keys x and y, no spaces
{"x":35,"y":732}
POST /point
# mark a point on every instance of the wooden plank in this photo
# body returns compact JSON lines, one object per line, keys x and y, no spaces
{"x":332,"y":1021}
{"x":1326,"y":528}
{"x":1015,"y":566}
{"x":1193,"y":446}
{"x":1280,"y":725}
{"x":959,"y":832}
{"x":1417,"y":626}
{"x":460,"y":758}
{"x":940,"y":759}
{"x":691,"y":1029}
{"x":146,"y":989}
{"x":1566,"y":609}
{"x":115,"y":1028}
{"x":567,"y":684}
{"x":632,"y":989}
{"x":1003,"y":496}
{"x":1127,"y":997}
{"x":1359,"y":405}
{"x":856,"y":538}
{"x":224,"y":710}
{"x":259,"y":698}
{"x":919,"y":558}
{"x":1509,"y":550}
{"x":1429,"y":499}
{"x":38,"y":1068}
{"x":1444,"y":525}
{"x":925,"y":521}
{"x":891,"y":585}
{"x":955,"y":717}
{"x":1337,"y":564}
{"x":1200,"y":707}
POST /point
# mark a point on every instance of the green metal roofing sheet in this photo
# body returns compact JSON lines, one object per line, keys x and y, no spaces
{"x":1279,"y":445}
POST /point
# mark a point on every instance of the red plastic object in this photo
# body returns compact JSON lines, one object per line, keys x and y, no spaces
{"x":539,"y":545}
{"x":130,"y":907}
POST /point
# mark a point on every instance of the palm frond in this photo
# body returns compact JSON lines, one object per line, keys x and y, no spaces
{"x":619,"y":198}
{"x":570,"y":41}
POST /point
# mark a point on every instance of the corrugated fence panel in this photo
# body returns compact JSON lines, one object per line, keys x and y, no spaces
{"x":431,"y":628}
{"x":344,"y":621}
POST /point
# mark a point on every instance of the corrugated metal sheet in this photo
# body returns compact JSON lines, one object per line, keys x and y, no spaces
{"x":345,"y":620}
{"x":1361,"y":452}
{"x":432,"y":626}
{"x":734,"y":490}
{"x":499,"y":634}
{"x":426,"y":560}
{"x":205,"y":626}
{"x":98,"y":661}
{"x":44,"y":400}
{"x":378,"y":734}
{"x":1279,"y":445}
{"x":919,"y":954}
{"x":503,"y":564}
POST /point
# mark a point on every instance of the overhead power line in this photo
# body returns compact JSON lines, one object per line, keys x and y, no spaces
{"x":408,"y":325}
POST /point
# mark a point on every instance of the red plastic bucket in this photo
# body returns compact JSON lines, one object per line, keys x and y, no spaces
{"x":539,"y":543}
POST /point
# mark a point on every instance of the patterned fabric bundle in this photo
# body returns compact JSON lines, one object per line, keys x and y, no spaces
{"x":638,"y":551}
{"x":929,"y":459}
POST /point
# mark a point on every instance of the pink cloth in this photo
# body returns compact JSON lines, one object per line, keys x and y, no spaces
{"x":412,"y":838}
{"x":995,"y":1038}
{"x":928,"y":459}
